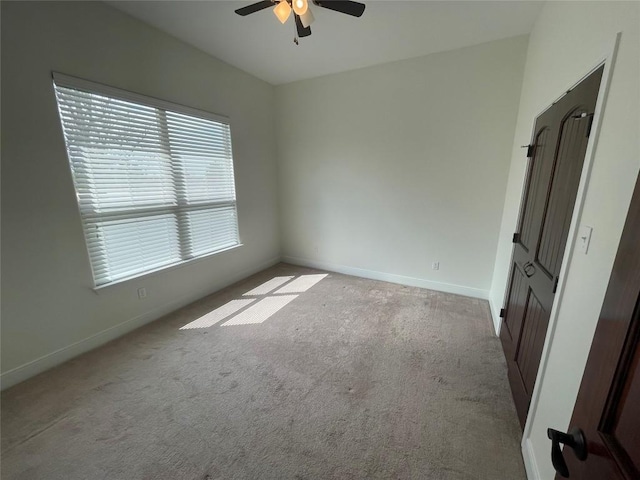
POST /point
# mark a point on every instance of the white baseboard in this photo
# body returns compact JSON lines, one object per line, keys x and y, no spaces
{"x":50,"y":360}
{"x":390,"y":277}
{"x":495,"y":316}
{"x":530,"y":464}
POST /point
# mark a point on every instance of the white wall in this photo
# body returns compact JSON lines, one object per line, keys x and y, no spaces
{"x":387,"y":169}
{"x":47,"y":301}
{"x":568,"y":40}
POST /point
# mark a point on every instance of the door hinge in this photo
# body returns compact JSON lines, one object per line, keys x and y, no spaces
{"x":590,"y":124}
{"x":583,"y":115}
{"x":555,"y":285}
{"x":502,"y":312}
{"x":530,"y":149}
{"x":516,"y":237}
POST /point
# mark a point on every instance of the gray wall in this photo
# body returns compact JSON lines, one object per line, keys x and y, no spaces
{"x":387,"y":169}
{"x":49,"y":311}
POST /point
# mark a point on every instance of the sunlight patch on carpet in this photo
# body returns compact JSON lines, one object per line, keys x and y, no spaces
{"x":269,"y":285}
{"x":261,"y":311}
{"x":218,"y":314}
{"x":301,"y":284}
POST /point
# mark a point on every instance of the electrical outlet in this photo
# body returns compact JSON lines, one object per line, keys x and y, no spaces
{"x":142,"y":292}
{"x":436,"y":265}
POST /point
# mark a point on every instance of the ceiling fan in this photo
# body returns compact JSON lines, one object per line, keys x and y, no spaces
{"x":301,"y":11}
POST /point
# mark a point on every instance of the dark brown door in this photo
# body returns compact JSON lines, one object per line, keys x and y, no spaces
{"x":608,"y":406}
{"x":556,"y":157}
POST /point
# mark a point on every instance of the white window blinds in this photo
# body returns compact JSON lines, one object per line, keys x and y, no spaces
{"x":154,"y":181}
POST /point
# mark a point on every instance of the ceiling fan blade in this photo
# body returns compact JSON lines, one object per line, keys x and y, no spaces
{"x":355,"y":9}
{"x":302,"y":31}
{"x":254,"y":7}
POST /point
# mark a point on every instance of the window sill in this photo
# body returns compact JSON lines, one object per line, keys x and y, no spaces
{"x":167,"y":268}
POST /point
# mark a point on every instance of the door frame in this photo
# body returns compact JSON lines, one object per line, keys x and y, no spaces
{"x":609,"y":62}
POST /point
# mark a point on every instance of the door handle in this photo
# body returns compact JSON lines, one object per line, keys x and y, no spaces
{"x":574,"y":439}
{"x":529,"y":269}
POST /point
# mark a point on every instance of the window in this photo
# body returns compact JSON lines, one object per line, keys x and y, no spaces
{"x":154,"y":181}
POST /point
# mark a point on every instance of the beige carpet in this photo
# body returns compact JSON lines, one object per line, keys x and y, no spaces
{"x":350,"y":379}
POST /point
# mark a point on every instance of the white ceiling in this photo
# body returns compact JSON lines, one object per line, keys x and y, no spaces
{"x":387,"y":31}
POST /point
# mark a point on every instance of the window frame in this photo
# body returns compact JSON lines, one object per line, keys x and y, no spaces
{"x":68,"y":81}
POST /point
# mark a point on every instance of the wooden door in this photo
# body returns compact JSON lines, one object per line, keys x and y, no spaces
{"x":607,"y":409}
{"x":556,"y":156}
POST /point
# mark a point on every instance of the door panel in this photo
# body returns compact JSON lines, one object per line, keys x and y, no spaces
{"x":626,"y":430}
{"x":530,"y":348}
{"x":559,"y":146}
{"x":566,"y":177}
{"x":517,"y":301}
{"x":530,"y":204}
{"x":607,"y":409}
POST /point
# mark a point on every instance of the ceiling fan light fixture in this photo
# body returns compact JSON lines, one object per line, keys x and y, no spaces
{"x":307,"y":18}
{"x":300,"y":7}
{"x":302,"y":11}
{"x":282,"y":11}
